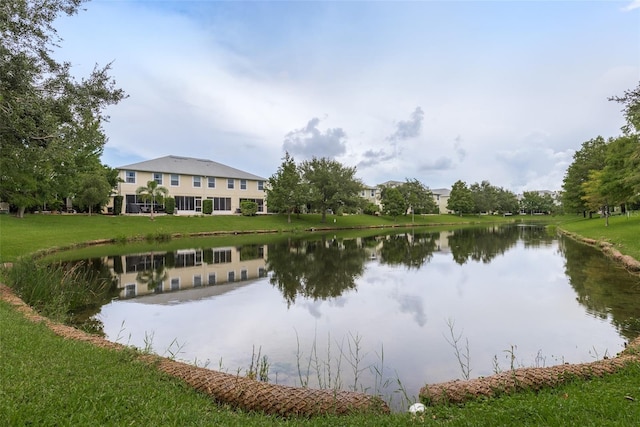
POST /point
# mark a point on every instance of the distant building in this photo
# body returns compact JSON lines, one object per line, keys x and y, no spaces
{"x":441,"y":197}
{"x":190,"y":181}
{"x":373,"y":194}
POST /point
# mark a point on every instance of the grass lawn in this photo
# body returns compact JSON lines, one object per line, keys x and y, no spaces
{"x":23,"y":236}
{"x":46,"y":380}
{"x":623,"y":232}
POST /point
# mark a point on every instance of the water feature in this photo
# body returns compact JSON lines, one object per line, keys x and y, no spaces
{"x":379,"y":313}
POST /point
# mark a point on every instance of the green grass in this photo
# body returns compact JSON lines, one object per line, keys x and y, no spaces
{"x":46,"y":380}
{"x":623,"y":232}
{"x":34,"y":232}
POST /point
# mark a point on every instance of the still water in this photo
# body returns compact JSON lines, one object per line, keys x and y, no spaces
{"x":381,"y":314}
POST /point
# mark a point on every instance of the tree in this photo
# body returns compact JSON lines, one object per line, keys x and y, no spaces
{"x":631,"y":109}
{"x":152,"y":193}
{"x":594,"y":195}
{"x":534,"y":202}
{"x":284,"y":188}
{"x":620,"y":178}
{"x":418,"y":197}
{"x":460,"y":199}
{"x":49,"y":123}
{"x":506,"y":201}
{"x":484,"y":197}
{"x":591,"y":156}
{"x":94,"y":190}
{"x":393,"y":202}
{"x":330,"y":185}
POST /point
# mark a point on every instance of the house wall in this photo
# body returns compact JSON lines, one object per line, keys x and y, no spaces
{"x":187,"y":188}
{"x":442,"y":201}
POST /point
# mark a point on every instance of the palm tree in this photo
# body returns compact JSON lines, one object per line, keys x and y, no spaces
{"x":152,"y":192}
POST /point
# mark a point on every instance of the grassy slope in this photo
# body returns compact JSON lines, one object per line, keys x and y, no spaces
{"x":623,"y":232}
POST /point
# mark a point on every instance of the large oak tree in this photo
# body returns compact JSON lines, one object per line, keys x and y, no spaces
{"x":330,"y":185}
{"x":50,"y":123}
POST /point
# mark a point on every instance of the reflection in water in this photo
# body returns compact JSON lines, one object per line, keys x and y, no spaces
{"x":317,"y":269}
{"x":605,"y":290}
{"x":484,"y":244}
{"x":158,"y":272}
{"x":502,"y":286}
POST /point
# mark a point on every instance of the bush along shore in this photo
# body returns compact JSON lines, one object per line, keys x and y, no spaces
{"x":620,"y":372}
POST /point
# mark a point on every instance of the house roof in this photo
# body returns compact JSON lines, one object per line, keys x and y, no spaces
{"x":444,"y":192}
{"x":391,"y":183}
{"x":190,"y":166}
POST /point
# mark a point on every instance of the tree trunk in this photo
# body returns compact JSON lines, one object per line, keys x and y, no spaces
{"x":20,"y":213}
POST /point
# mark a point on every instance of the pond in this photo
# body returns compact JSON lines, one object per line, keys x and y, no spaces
{"x":383,"y":314}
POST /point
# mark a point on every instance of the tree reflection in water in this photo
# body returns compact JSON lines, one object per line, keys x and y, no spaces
{"x":602,"y":288}
{"x":317,"y":269}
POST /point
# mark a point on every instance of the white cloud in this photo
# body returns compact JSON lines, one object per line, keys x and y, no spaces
{"x":240,"y":83}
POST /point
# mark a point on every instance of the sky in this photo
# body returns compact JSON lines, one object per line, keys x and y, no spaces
{"x":438,"y":91}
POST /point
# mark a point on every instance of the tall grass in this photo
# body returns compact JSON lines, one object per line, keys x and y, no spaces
{"x":57,"y":291}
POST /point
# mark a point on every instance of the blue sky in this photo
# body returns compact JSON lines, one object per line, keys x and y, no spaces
{"x":438,"y":91}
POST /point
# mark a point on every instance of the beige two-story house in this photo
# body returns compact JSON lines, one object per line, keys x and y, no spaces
{"x":190,"y":181}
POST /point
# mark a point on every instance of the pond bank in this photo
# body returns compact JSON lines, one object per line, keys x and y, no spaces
{"x":235,"y":390}
{"x":628,"y":262}
{"x":522,"y":380}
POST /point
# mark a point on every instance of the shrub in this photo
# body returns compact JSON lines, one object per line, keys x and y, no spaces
{"x":207,"y":206}
{"x":170,"y":205}
{"x":370,"y":209}
{"x":248,"y":208}
{"x":117,"y":205}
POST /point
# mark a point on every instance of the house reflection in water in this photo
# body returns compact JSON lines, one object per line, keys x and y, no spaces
{"x":158,"y":272}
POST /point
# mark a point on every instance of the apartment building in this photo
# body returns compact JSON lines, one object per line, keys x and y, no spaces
{"x":190,"y":181}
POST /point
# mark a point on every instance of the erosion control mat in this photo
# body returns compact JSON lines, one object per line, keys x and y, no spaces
{"x":234,"y":390}
{"x":525,"y":379}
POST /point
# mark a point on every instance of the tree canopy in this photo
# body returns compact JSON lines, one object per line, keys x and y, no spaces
{"x":285,"y":193}
{"x":460,"y":199}
{"x":607,"y":173}
{"x":50,"y":123}
{"x":330,"y":185}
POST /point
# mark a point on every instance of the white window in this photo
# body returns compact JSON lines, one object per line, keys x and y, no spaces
{"x":231,"y":276}
{"x":175,"y":179}
{"x":230,"y":183}
{"x":130,"y":177}
{"x":212,"y":278}
{"x":197,"y":181}
{"x":157,"y":177}
{"x":197,"y":280}
{"x":211,"y":182}
{"x":175,"y":283}
{"x":260,"y":185}
{"x":243,"y":184}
